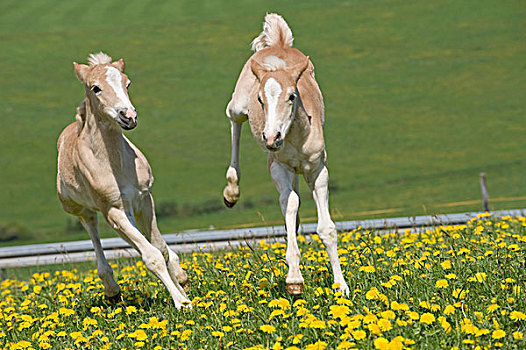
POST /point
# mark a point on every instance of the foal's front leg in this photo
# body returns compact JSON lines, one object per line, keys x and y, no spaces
{"x":284,"y":177}
{"x":319,"y":184}
{"x":233,"y":174}
{"x":152,"y":257}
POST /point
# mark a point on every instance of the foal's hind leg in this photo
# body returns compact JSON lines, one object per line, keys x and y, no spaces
{"x":319,"y":184}
{"x":233,"y":174}
{"x":284,"y":178}
{"x":152,"y":257}
{"x":88,"y":219}
{"x":147,"y":223}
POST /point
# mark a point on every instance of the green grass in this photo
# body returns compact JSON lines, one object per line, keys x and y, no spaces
{"x":420,"y":98}
{"x":444,"y":287}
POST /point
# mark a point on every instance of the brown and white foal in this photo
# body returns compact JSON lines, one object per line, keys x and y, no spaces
{"x":279,"y":96}
{"x":99,"y":169}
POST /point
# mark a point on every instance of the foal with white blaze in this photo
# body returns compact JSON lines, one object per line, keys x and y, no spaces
{"x":99,"y":169}
{"x":278,"y":94}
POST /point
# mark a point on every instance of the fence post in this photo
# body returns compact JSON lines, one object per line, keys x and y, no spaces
{"x":485,"y":196}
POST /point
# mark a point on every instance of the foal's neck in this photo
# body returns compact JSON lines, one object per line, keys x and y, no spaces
{"x":103,"y":137}
{"x":301,"y":125}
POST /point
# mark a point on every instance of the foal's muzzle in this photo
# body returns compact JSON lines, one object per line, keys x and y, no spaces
{"x":127,"y":118}
{"x":273,"y":143}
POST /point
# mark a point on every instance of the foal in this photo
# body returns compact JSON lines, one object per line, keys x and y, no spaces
{"x":279,"y":96}
{"x":99,"y":169}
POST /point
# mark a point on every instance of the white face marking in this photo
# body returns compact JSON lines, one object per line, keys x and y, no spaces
{"x":114,"y":79}
{"x":272,"y":92}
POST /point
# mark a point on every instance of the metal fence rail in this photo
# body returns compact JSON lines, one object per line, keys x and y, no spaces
{"x":55,"y":253}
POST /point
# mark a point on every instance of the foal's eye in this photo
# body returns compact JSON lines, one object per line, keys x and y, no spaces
{"x":292,"y":97}
{"x":96,"y":89}
{"x":128,"y":86}
{"x":260,"y":100}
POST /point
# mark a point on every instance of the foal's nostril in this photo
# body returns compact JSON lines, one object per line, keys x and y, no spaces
{"x":264,"y":138}
{"x":278,"y":135}
{"x":122,"y":111}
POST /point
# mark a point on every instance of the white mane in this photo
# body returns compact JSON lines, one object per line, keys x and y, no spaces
{"x":98,"y":58}
{"x":275,"y":31}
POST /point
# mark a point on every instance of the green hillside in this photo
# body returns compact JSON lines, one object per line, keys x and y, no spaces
{"x":420,"y":98}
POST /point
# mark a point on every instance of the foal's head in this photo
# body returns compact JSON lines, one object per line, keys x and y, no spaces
{"x":107,"y":89}
{"x":278,"y":96}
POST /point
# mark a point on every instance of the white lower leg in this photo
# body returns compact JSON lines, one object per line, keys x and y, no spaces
{"x":293,"y":253}
{"x":233,"y":174}
{"x":326,"y":228}
{"x":289,"y":200}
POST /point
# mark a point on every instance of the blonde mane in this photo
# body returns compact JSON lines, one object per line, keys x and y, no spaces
{"x":275,"y":31}
{"x":81,"y":116}
{"x":98,"y":58}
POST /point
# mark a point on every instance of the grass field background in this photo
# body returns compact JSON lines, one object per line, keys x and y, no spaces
{"x":420,"y":98}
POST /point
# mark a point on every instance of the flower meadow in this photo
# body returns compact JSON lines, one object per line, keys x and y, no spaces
{"x":450,"y":287}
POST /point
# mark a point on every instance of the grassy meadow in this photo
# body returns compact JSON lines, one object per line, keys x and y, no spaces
{"x":421,"y":96}
{"x":455,"y":287}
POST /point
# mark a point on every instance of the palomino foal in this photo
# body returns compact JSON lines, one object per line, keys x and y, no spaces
{"x":278,"y":94}
{"x":99,"y":169}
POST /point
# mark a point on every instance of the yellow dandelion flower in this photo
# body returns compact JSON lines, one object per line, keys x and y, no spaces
{"x":218,"y":334}
{"x":517,"y":315}
{"x":480,"y":276}
{"x":441,"y":284}
{"x":381,"y":343}
{"x":319,"y":345}
{"x":449,"y":310}
{"x":266,"y":328}
{"x":359,"y":335}
{"x":372,"y":294}
{"x":384,"y":324}
{"x":345,"y":345}
{"x":498,"y":334}
{"x":446,"y":264}
{"x":518,"y":335}
{"x":427,"y":318}
{"x":492,"y":308}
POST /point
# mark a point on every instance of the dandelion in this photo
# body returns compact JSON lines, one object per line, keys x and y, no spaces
{"x":218,"y":334}
{"x":517,"y":315}
{"x":498,"y":334}
{"x":359,"y":335}
{"x":267,"y":328}
{"x":381,"y":343}
{"x":427,"y":318}
{"x":319,"y":345}
{"x":441,"y":284}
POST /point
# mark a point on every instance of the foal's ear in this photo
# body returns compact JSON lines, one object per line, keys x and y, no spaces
{"x":119,"y":65}
{"x":298,"y":70}
{"x":257,"y":69}
{"x":81,"y":71}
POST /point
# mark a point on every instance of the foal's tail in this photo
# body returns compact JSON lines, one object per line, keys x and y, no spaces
{"x":275,"y":31}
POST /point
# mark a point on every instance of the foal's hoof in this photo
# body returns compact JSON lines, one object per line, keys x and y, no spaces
{"x":227,"y":203}
{"x":295,"y":288}
{"x":115,"y":299}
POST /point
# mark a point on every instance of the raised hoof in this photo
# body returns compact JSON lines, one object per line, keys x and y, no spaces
{"x":227,"y":203}
{"x":115,"y":299}
{"x":295,"y":288}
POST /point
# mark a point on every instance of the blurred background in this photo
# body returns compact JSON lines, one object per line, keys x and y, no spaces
{"x":421,"y":96}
